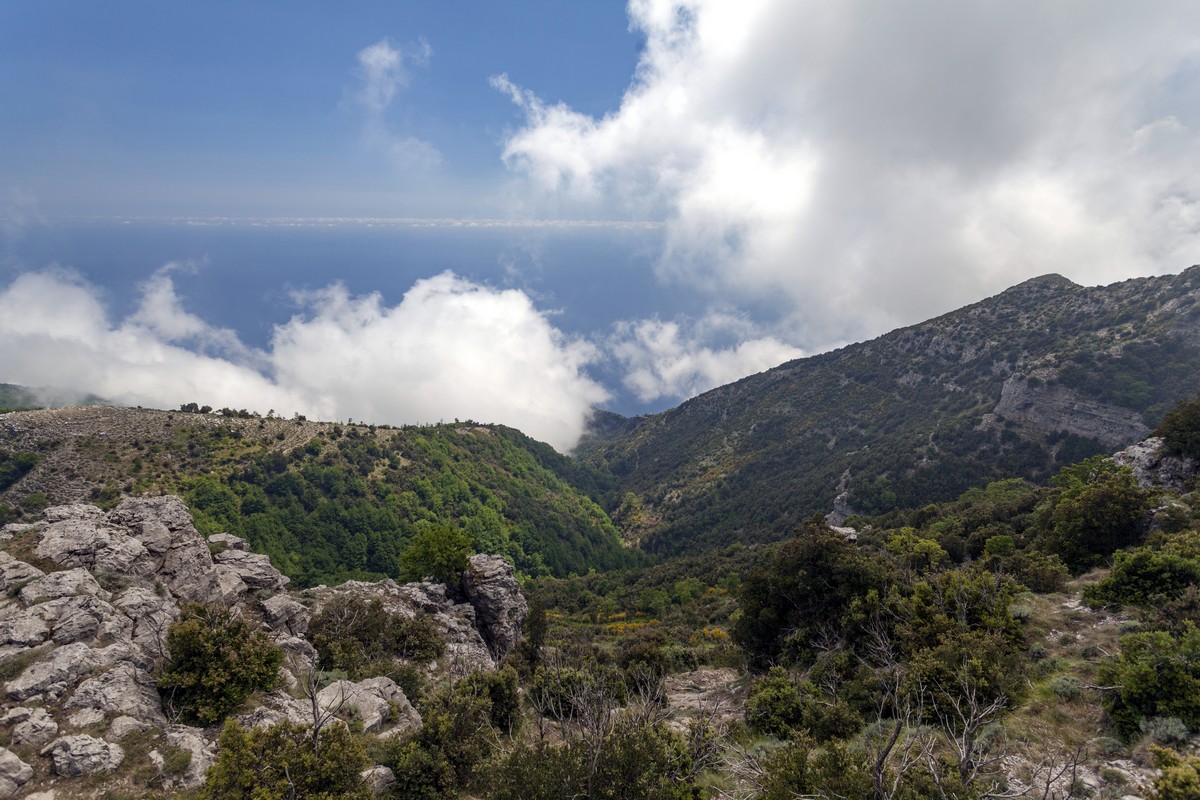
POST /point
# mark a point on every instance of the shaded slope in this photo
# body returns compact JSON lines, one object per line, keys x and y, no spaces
{"x":1039,"y":376}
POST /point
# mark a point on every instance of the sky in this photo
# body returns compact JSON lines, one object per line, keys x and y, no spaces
{"x":517,"y":212}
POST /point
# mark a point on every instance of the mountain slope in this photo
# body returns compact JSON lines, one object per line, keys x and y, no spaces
{"x":1038,"y":376}
{"x":325,"y":501}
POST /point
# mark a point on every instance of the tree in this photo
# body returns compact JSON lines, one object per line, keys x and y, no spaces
{"x":1098,"y":509}
{"x":1180,"y":429}
{"x":437,"y":551}
{"x":216,"y":660}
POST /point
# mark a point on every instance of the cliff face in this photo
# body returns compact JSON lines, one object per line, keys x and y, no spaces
{"x":1022,"y":383}
{"x":1040,"y":408}
{"x":86,"y":601}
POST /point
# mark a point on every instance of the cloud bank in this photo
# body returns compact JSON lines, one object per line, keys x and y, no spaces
{"x":863,"y":165}
{"x":449,"y":349}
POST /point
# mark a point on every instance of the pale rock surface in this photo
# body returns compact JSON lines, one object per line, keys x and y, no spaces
{"x":81,"y":755}
{"x":14,"y":572}
{"x":124,"y":690}
{"x":374,"y":699}
{"x":31,"y":726}
{"x":254,"y":569}
{"x":204,"y":754}
{"x":14,"y":773}
{"x":62,"y":584}
{"x":500,"y":609}
{"x":286,"y":615}
{"x":123,"y":726}
{"x":1152,"y":466}
{"x":229,"y":541}
{"x":55,"y":674}
{"x":379,"y":779}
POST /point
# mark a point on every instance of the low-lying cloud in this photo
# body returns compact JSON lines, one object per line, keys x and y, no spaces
{"x":865,"y":165}
{"x":449,"y":349}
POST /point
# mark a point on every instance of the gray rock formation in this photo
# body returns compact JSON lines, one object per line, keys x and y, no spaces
{"x":124,"y":690}
{"x":254,"y":569}
{"x":378,"y":702}
{"x":1152,"y":466}
{"x":30,"y":726}
{"x":500,"y":609}
{"x":82,"y":755}
{"x":1048,"y":408}
{"x":286,"y":615}
{"x":14,"y":773}
{"x":379,"y":780}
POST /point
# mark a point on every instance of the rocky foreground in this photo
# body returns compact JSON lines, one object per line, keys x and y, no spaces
{"x":87,"y":597}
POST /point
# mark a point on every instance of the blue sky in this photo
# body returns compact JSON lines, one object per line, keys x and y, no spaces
{"x":264,"y":204}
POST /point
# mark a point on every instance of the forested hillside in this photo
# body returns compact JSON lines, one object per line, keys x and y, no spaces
{"x":1019,"y":384}
{"x":326,"y":501}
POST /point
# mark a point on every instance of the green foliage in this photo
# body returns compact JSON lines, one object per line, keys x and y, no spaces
{"x":216,"y":660}
{"x":1180,"y":775}
{"x":1180,"y":429}
{"x":802,"y":770}
{"x":635,"y":760}
{"x":437,"y":551}
{"x":1157,"y":675}
{"x":1144,"y":577}
{"x":354,"y":635}
{"x":807,"y":581}
{"x":14,"y":466}
{"x":350,"y":502}
{"x":1098,"y":509}
{"x":783,"y":707}
{"x":285,"y":762}
{"x":444,"y":755}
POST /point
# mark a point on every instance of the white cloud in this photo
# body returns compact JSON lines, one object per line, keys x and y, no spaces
{"x":676,"y":359}
{"x":450,"y":348}
{"x":384,"y":69}
{"x":865,"y":165}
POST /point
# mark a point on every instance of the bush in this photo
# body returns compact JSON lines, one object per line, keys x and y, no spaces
{"x":353,"y":634}
{"x":283,"y":762}
{"x":437,"y":551}
{"x":1179,"y":777}
{"x":1180,"y":429}
{"x":216,"y":661}
{"x":1066,"y":687}
{"x":1164,"y":730}
{"x":1144,"y":577}
{"x":1157,"y":675}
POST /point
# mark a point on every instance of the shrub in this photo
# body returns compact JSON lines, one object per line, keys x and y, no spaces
{"x":283,"y":761}
{"x":437,"y":551}
{"x":1179,"y":778}
{"x":1180,"y":429}
{"x":1157,"y":675}
{"x":1144,"y":577}
{"x":352,"y":634}
{"x":1164,"y":730}
{"x":1066,"y":687}
{"x":216,"y":661}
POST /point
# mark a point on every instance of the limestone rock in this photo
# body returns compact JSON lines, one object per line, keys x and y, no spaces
{"x":13,"y":573}
{"x":123,"y":726}
{"x":1048,"y":408}
{"x":379,"y":779}
{"x":31,"y":726}
{"x":54,"y":675}
{"x":286,"y":615}
{"x":23,"y":630}
{"x":500,"y":608}
{"x":151,"y":613}
{"x":14,"y":773}
{"x":278,"y":707}
{"x":204,"y":754}
{"x":1152,"y":466}
{"x":229,"y":541}
{"x":123,"y":690}
{"x":62,"y":584}
{"x":176,"y":553}
{"x":81,"y":755}
{"x":374,"y":699}
{"x":253,"y":568}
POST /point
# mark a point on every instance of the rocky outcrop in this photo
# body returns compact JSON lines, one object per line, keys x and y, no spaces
{"x":1153,"y":467}
{"x":376,"y":701}
{"x":500,"y":609}
{"x":92,"y":633}
{"x":1047,"y":408}
{"x":82,"y":755}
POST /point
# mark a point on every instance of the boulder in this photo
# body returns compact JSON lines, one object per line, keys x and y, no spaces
{"x":122,"y":691}
{"x":14,"y":773}
{"x":152,"y":614}
{"x":376,"y":700}
{"x":286,"y":615}
{"x":123,"y":726}
{"x":69,"y":582}
{"x":31,"y":726}
{"x":500,"y":609}
{"x":14,"y":573}
{"x":175,"y":552}
{"x":82,"y":755}
{"x":253,"y":568}
{"x":227,"y":541}
{"x":53,"y":675}
{"x":379,"y":779}
{"x":203,"y":755}
{"x":23,"y":630}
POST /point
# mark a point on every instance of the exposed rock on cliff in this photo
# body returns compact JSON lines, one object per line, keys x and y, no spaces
{"x":1152,"y":466}
{"x":1047,"y":408}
